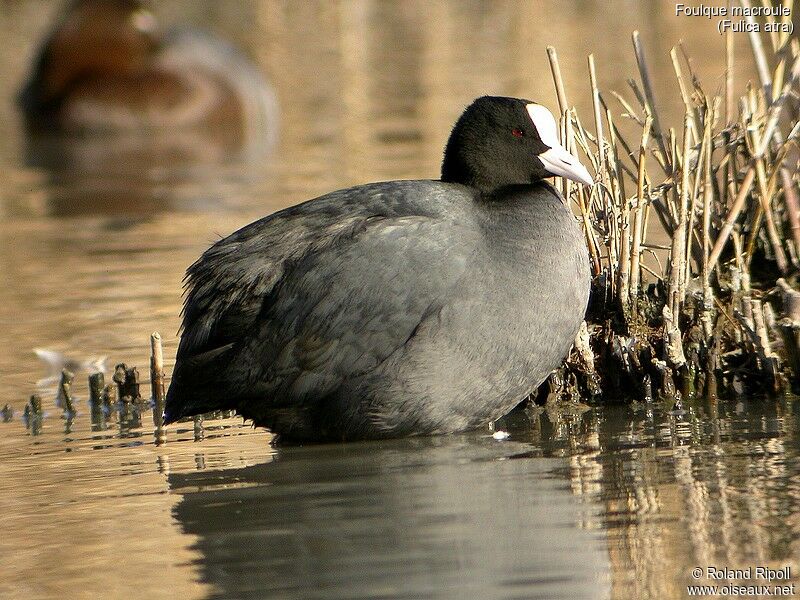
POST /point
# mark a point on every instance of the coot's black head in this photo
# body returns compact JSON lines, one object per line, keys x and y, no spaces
{"x":507,"y":141}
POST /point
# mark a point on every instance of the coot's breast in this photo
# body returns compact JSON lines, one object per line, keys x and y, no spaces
{"x":503,"y":328}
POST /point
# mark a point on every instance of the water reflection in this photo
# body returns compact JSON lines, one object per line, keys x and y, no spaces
{"x":88,"y":514}
{"x":713,"y":486}
{"x":431,"y":518}
{"x":618,"y":501}
{"x":613,"y":501}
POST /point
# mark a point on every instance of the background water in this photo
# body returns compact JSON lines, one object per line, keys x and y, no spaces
{"x":615,"y":502}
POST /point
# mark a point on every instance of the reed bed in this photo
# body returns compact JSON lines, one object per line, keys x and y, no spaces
{"x":714,"y":311}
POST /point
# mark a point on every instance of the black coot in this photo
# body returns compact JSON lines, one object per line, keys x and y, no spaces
{"x":395,"y":308}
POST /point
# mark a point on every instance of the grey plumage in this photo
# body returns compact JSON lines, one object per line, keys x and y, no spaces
{"x":395,"y":308}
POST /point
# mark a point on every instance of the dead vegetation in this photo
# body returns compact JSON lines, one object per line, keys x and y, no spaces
{"x":714,"y":311}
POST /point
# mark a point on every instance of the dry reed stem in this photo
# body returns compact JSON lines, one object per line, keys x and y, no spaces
{"x":721,"y":183}
{"x":644,"y":73}
{"x":687,"y":102}
{"x":773,"y":33}
{"x":684,"y":204}
{"x":623,"y":274}
{"x":629,"y":111}
{"x":598,"y":122}
{"x":733,"y":214}
{"x":730,"y":102}
{"x":693,"y":235}
{"x":766,"y":207}
{"x":561,"y":94}
{"x":639,"y":210}
{"x":618,"y":171}
{"x":762,"y":66}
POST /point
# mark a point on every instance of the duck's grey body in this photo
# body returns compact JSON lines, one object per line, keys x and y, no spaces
{"x":397,"y":308}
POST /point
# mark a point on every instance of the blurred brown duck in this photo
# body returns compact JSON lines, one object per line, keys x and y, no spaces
{"x":108,"y":66}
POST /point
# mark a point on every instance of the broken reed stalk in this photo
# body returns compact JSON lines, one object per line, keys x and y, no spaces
{"x":110,"y":397}
{"x":705,"y":232}
{"x":728,"y":199}
{"x":35,"y":403}
{"x":644,"y":73}
{"x":730,"y":101}
{"x":561,"y":94}
{"x":33,"y":414}
{"x":96,"y":384}
{"x":157,"y":384}
{"x":157,"y":368}
{"x":673,"y":346}
{"x":639,"y":210}
{"x":734,"y":213}
{"x":65,"y":392}
{"x":127,"y":380}
{"x":758,"y":49}
{"x":66,"y":378}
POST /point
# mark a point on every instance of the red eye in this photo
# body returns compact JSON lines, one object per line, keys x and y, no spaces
{"x":517,"y":133}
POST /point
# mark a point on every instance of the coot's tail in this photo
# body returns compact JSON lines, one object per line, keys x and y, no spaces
{"x":195,"y":387}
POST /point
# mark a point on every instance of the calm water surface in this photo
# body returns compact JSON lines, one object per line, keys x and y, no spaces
{"x":614,"y":502}
{"x":618,"y":502}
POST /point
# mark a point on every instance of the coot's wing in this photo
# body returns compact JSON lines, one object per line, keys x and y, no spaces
{"x":226,"y":286}
{"x":338,"y":314}
{"x":294,"y":306}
